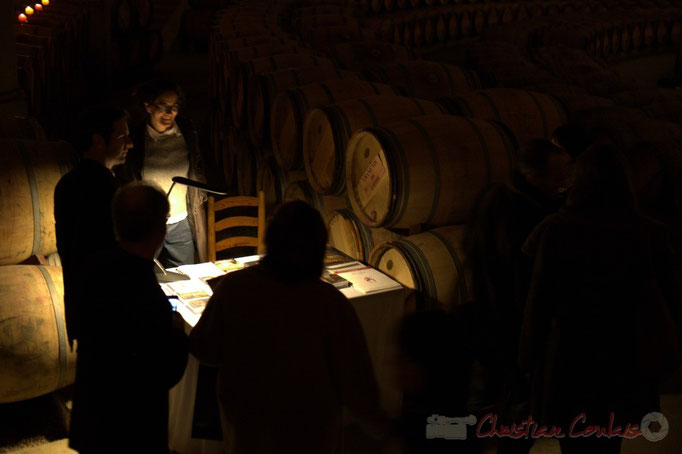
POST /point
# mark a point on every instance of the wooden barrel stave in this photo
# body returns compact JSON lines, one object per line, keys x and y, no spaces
{"x":290,"y":107}
{"x":238,"y":82}
{"x":425,"y":79}
{"x":36,"y":357}
{"x":276,"y":62}
{"x":263,"y":88}
{"x":32,"y":170}
{"x":352,"y":237}
{"x":527,"y":114}
{"x":24,"y":128}
{"x":273,"y":181}
{"x":327,"y":129}
{"x":425,"y":170}
{"x":432,"y":263}
{"x":301,"y":190}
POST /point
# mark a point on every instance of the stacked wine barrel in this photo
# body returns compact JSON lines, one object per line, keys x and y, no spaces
{"x":35,"y":356}
{"x":51,"y":52}
{"x":430,"y":25}
{"x":142,"y":31}
{"x":330,"y":103}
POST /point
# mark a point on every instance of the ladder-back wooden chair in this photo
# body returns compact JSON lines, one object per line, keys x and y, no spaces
{"x":229,"y":224}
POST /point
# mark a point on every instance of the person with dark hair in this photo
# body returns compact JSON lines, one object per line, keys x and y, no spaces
{"x":290,"y":349}
{"x":601,"y":324}
{"x":501,"y":220}
{"x":166,"y":145}
{"x":82,"y":199}
{"x":124,"y":370}
{"x":570,"y":138}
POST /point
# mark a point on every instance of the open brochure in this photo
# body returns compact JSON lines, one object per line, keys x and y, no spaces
{"x":205,"y":270}
{"x":190,"y":290}
{"x":368,"y":279}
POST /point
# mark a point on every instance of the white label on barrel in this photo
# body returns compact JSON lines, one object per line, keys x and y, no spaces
{"x":370,"y":179}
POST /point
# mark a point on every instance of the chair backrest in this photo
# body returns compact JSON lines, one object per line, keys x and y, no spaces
{"x":235,"y":221}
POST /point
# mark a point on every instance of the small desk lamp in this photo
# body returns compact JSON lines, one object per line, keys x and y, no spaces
{"x":168,"y":276}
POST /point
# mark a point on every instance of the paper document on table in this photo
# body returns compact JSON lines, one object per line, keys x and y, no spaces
{"x":229,"y":265}
{"x":205,"y":270}
{"x":197,"y":305}
{"x":339,"y":267}
{"x":191,"y":289}
{"x":369,"y":280}
{"x":167,"y":290}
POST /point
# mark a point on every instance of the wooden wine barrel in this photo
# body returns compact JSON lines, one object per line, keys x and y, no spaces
{"x":432,"y":263}
{"x":238,"y":78}
{"x":264,"y":65}
{"x":320,"y":10}
{"x":359,"y":55}
{"x":142,"y":11}
{"x":327,"y":129}
{"x":12,"y":127}
{"x":527,"y":114}
{"x":238,"y":43}
{"x":442,"y":27}
{"x":31,"y":171}
{"x":257,"y":21}
{"x":35,"y":355}
{"x":248,"y":30}
{"x":290,"y":108}
{"x":426,"y":79}
{"x":301,"y":190}
{"x":324,"y":37}
{"x":425,"y":170}
{"x":246,"y":167}
{"x":352,"y":237}
{"x":228,"y":157}
{"x":263,"y":88}
{"x":303,"y":23}
{"x":273,"y":180}
{"x":123,"y":18}
{"x":234,"y":57}
{"x":582,"y":102}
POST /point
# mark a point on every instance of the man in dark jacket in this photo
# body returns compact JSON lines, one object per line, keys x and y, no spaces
{"x":502,"y":220}
{"x":127,"y":365}
{"x":82,"y":200}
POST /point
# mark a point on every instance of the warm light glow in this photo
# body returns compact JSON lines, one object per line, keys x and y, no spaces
{"x":46,"y":2}
{"x":23,"y":18}
{"x":38,"y":7}
{"x":29,"y":10}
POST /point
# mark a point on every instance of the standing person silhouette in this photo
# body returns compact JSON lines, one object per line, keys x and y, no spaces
{"x":166,"y":145}
{"x":82,"y":200}
{"x":290,"y":348}
{"x":601,"y":321}
{"x":126,"y":366}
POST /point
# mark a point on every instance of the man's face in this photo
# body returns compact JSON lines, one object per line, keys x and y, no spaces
{"x":163,"y":110}
{"x":119,"y":144}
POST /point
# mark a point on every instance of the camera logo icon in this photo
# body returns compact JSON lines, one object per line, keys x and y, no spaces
{"x":448,"y":428}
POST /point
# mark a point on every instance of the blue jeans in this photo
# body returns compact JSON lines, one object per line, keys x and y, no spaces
{"x":178,"y":247}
